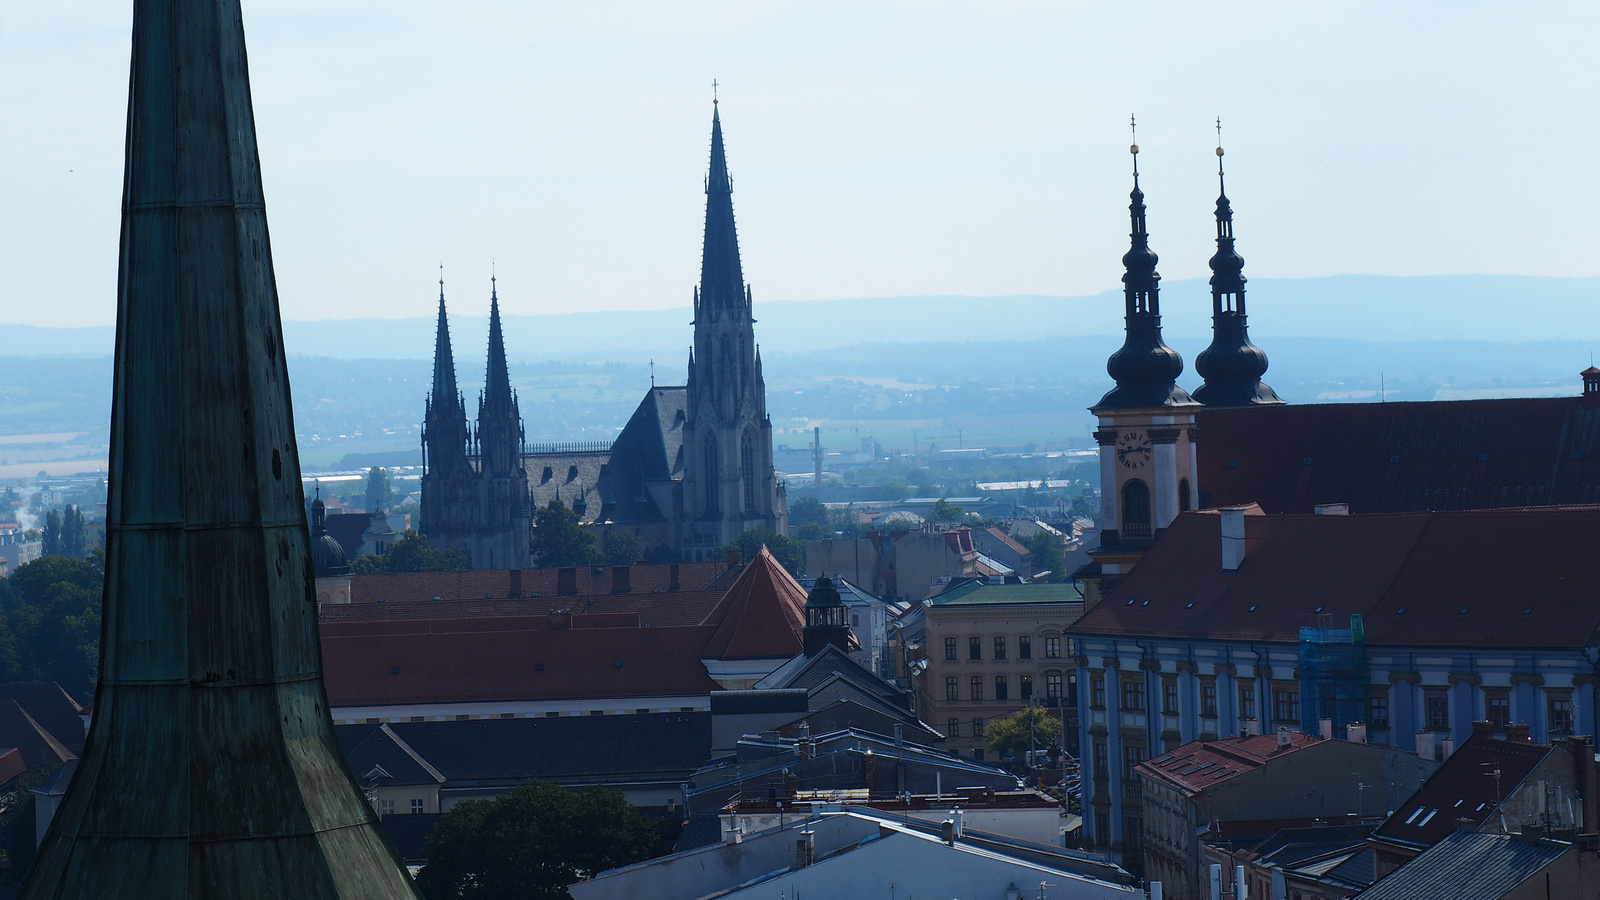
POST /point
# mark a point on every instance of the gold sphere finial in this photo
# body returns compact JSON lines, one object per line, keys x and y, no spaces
{"x":1133,"y":148}
{"x":1219,"y":151}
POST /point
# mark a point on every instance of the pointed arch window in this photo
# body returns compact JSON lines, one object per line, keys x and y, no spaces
{"x":747,"y":468}
{"x":712,"y":476}
{"x":1136,"y":509}
{"x":729,"y":372}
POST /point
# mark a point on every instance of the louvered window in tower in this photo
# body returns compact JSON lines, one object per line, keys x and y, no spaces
{"x":710,"y":477}
{"x":747,"y":469}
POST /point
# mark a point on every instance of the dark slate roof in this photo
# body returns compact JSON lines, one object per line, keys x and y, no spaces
{"x":1417,"y":579}
{"x":572,"y":749}
{"x":733,"y":703}
{"x":381,"y":747}
{"x":649,"y":449}
{"x":827,"y":664}
{"x":571,"y":475}
{"x":1358,"y":871}
{"x":1401,"y":457}
{"x":51,"y":707}
{"x":56,"y":783}
{"x":699,"y":831}
{"x":1460,"y":790}
{"x":1467,"y":866}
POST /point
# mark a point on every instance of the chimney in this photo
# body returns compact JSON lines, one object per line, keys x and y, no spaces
{"x":956,"y":815}
{"x":1356,"y":732}
{"x":1247,"y":727}
{"x":1425,"y":745}
{"x":1518,"y":732}
{"x":620,"y":580}
{"x":514,"y":589}
{"x":1591,"y":387}
{"x":1232,"y":538}
{"x":1447,"y":746}
{"x":1238,"y":883}
{"x":1285,"y":737}
{"x":1325,"y":728}
{"x":1483,"y":729}
{"x":1466,"y":826}
{"x":567,"y":580}
{"x":674,"y":583}
{"x":1583,"y":755}
{"x":805,"y":849}
{"x":560,"y":619}
{"x":947,"y":831}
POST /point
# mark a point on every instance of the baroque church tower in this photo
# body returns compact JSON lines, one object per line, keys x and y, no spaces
{"x":1231,"y":366}
{"x":474,"y":487}
{"x":728,"y":481}
{"x":1147,"y":422}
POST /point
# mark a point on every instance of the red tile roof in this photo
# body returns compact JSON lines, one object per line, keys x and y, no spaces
{"x":1418,"y":579}
{"x":542,"y":582}
{"x":763,"y":615}
{"x":1198,"y":765}
{"x":1008,"y":540}
{"x":1462,"y":789}
{"x":508,"y":659}
{"x":1401,"y":457}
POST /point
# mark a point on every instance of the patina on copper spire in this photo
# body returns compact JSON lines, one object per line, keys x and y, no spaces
{"x":211,"y":769}
{"x":1232,"y":366}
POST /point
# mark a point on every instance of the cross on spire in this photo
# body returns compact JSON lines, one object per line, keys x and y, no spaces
{"x":713,"y":91}
{"x":1219,"y":148}
{"x":1133,"y":126}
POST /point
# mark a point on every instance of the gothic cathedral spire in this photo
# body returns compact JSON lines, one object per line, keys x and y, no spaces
{"x":728,"y":484}
{"x":444,"y":427}
{"x":1232,"y":366}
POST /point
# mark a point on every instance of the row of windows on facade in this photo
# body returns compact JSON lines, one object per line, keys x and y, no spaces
{"x":747,"y":471}
{"x":1052,"y":648}
{"x":386,"y":807}
{"x":1053,"y":683}
{"x":1286,"y":704}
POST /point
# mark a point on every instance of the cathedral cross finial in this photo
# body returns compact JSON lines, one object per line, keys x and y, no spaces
{"x":713,"y":92}
{"x":1219,"y":146}
{"x":441,"y":276}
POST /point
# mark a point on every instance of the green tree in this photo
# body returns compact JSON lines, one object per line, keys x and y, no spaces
{"x":621,"y":548}
{"x":1024,"y":730}
{"x":559,"y":539}
{"x":790,"y":553}
{"x":1047,"y":554}
{"x":412,"y":553}
{"x":52,"y":534}
{"x":532,"y":842}
{"x":809,"y":511}
{"x":379,"y":491}
{"x":51,"y":627}
{"x":945,"y":511}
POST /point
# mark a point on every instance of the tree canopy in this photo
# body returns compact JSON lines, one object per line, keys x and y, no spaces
{"x":380,"y":493}
{"x":559,"y":539}
{"x":50,"y":622}
{"x":621,"y":548}
{"x":1015,"y":734}
{"x":1046,"y":553}
{"x":945,"y":511}
{"x":412,"y":553}
{"x":532,"y":842}
{"x":790,"y":553}
{"x":63,"y":532}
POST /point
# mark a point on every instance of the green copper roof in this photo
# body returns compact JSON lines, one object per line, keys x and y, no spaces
{"x":977,"y":593}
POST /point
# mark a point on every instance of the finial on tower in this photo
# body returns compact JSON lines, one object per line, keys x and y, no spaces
{"x":713,"y":92}
{"x":1219,"y":150}
{"x":1133,"y":126}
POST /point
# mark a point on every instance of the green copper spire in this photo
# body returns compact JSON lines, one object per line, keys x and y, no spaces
{"x":211,"y":769}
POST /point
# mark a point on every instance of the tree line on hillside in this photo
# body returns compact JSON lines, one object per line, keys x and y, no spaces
{"x":50,"y":622}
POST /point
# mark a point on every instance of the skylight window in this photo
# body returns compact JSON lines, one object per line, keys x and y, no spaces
{"x":1401,"y":611}
{"x":1413,"y":817}
{"x":1527,"y":610}
{"x":1427,"y":818}
{"x":1252,"y":608}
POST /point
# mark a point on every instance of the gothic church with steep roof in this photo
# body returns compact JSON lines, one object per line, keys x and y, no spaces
{"x":690,"y":471}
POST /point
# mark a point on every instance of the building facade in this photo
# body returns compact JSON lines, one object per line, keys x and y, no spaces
{"x":993,"y":650}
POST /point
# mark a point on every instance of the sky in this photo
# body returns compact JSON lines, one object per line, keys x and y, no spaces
{"x":877,"y":148}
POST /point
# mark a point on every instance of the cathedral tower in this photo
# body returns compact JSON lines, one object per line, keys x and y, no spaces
{"x":728,"y":483}
{"x":449,"y":484}
{"x":1147,"y":458}
{"x":1231,"y":366}
{"x":503,"y":507}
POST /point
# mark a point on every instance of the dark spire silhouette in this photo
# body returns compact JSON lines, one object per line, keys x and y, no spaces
{"x":1232,"y":366}
{"x":497,"y":379}
{"x":444,"y":425}
{"x":444,"y":364}
{"x":211,"y":768}
{"x":1145,"y":368}
{"x":721,"y":276}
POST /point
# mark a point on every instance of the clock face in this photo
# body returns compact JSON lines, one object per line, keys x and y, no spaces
{"x":1133,"y":449}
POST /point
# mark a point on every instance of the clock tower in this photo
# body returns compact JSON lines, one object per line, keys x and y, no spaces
{"x":1147,"y":422}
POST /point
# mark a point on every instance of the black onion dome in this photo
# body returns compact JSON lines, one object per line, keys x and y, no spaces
{"x":1145,"y":368}
{"x":1232,"y":366}
{"x":327,"y":556}
{"x":823,"y":594}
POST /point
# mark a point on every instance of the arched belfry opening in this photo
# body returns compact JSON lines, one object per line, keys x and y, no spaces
{"x":1136,"y":509}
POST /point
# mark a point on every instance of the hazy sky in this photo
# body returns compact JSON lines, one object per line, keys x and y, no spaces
{"x":877,"y":148}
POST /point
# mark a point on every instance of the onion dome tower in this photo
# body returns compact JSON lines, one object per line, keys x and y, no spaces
{"x":1145,"y":368}
{"x":328,"y":558}
{"x":1232,"y":366}
{"x":211,"y":769}
{"x":827,"y":618}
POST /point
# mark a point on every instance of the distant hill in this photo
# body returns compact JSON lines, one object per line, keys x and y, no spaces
{"x":1509,"y":308}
